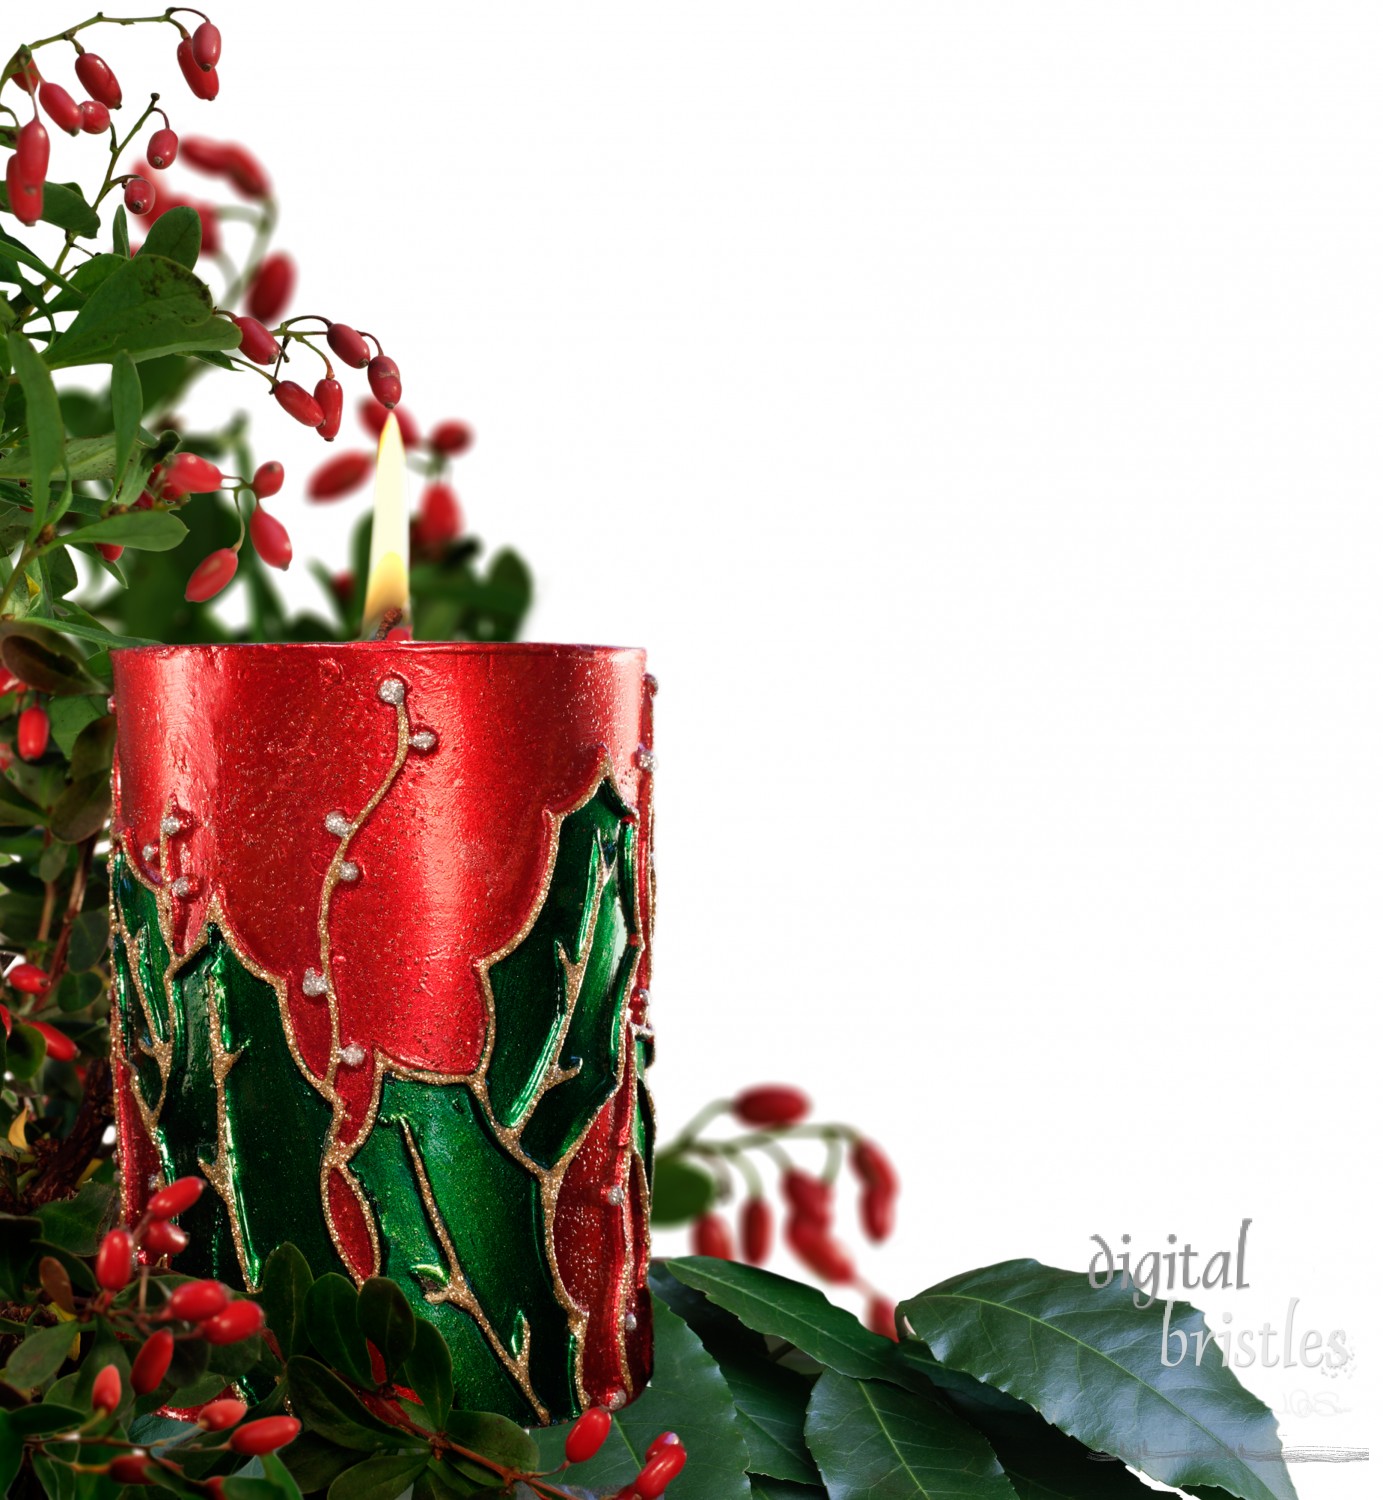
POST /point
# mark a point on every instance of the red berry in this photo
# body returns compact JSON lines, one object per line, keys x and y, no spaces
{"x":110,"y":550}
{"x":348,"y":346}
{"x":204,"y":155}
{"x":29,"y":979}
{"x":202,"y":81}
{"x":439,"y":515}
{"x":95,"y":76}
{"x":881,"y":1318}
{"x":298,"y":404}
{"x":340,"y":475}
{"x":60,"y":1046}
{"x":139,"y":195}
{"x":216,"y":1416}
{"x":31,"y":152}
{"x":177,"y":1197}
{"x":756,"y":1230}
{"x":115,"y":1261}
{"x":585,"y":1440}
{"x":196,"y":1301}
{"x":265,"y":1436}
{"x":772,"y":1104}
{"x":248,"y":176}
{"x":660,"y":1471}
{"x":32,"y":738}
{"x":271,"y":288}
{"x":211,"y":575}
{"x":343,"y":586}
{"x":190,"y":474}
{"x":106,"y":1389}
{"x":206,"y":45}
{"x":163,"y":149}
{"x":131,"y":1468}
{"x":26,"y":74}
{"x":373,"y":416}
{"x":876,"y":1213}
{"x":26,"y":198}
{"x":711,"y":1236}
{"x":663,"y":1440}
{"x":256,"y":342}
{"x":95,"y":117}
{"x":270,"y":538}
{"x":151,"y":1363}
{"x":268,"y":479}
{"x":384,"y":380}
{"x":239,"y":1321}
{"x":330,"y":397}
{"x":819,"y":1252}
{"x":872,"y":1167}
{"x":162,"y":1238}
{"x":451,"y":438}
{"x":809,"y":1197}
{"x":60,"y":107}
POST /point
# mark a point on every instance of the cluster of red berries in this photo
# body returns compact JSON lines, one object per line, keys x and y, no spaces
{"x":810,"y":1201}
{"x":32,"y":983}
{"x":663,"y":1460}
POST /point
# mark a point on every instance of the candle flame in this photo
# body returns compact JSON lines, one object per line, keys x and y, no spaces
{"x":387,"y":588}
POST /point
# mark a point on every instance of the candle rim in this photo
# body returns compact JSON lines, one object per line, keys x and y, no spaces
{"x":409,"y":648}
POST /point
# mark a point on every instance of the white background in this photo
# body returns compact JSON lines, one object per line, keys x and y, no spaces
{"x":975,"y":411}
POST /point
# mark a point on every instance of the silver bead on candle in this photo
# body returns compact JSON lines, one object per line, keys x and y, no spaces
{"x":614,"y":1195}
{"x":338,"y":823}
{"x":392,"y":690}
{"x":314,"y":983}
{"x":645,"y":759}
{"x":423,"y":740}
{"x":151,"y":852}
{"x":350,"y":871}
{"x":182,"y":887}
{"x":171,"y":825}
{"x":353,"y":1055}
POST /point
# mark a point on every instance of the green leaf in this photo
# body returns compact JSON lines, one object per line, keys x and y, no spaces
{"x":11,"y":1453}
{"x":681,"y":1192}
{"x":873,"y":1441}
{"x":176,"y":234}
{"x":427,"y":1371}
{"x":327,"y":1406}
{"x":76,"y":1223}
{"x":45,"y":1417}
{"x":277,"y":1484}
{"x":18,"y":250}
{"x":64,"y":206}
{"x":82,"y":810}
{"x":42,"y":659}
{"x":335,"y":1331}
{"x":126,"y":400}
{"x":120,"y":227}
{"x":83,"y":631}
{"x":94,"y":748}
{"x":39,"y":1357}
{"x":25,"y":1052}
{"x":1044,"y":1464}
{"x":283,"y":1296}
{"x":1093,"y":1364}
{"x":314,"y":1462}
{"x":689,"y":1396}
{"x":151,"y":306}
{"x":386,"y":1319}
{"x":149,"y":530}
{"x":90,"y":938}
{"x":44,"y":418}
{"x":85,"y":457}
{"x":494,"y":1436}
{"x":763,"y":1487}
{"x":383,"y":1478}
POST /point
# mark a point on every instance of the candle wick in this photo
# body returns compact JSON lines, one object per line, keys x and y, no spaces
{"x":387,"y":621}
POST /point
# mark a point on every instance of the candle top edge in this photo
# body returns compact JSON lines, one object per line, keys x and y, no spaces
{"x":405,"y":648}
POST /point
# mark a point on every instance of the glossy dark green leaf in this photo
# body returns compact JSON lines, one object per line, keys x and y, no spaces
{"x":689,"y":1396}
{"x":150,"y":530}
{"x":70,"y":622}
{"x":151,"y":306}
{"x":276,"y":1484}
{"x":1044,"y":1464}
{"x":44,"y":418}
{"x":314,"y":1461}
{"x":682,"y":1191}
{"x":1092,"y":1364}
{"x":126,"y":400}
{"x":44,"y":1417}
{"x":386,"y":1319}
{"x":25,"y":1051}
{"x":94,"y":748}
{"x":282,"y":1294}
{"x":874,"y":1441}
{"x":383,"y":1478}
{"x":176,"y":234}
{"x":84,"y":457}
{"x":335,"y":1330}
{"x":326,"y":1405}
{"x":764,"y":1487}
{"x":120,"y":230}
{"x":90,"y":938}
{"x":17,"y":1254}
{"x":83,"y":809}
{"x":41,"y":658}
{"x":76,"y":1223}
{"x":39,"y":1357}
{"x":64,"y":206}
{"x":18,"y":250}
{"x":427,"y":1372}
{"x":494,"y":1436}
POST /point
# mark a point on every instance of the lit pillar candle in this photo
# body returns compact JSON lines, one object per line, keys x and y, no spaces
{"x":380,"y":947}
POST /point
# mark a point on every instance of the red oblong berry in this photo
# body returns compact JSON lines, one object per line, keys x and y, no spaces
{"x":384,"y":380}
{"x":265,"y":1436}
{"x":190,"y":474}
{"x":451,"y":438}
{"x":882,"y":1319}
{"x":26,"y":198}
{"x":216,"y":1416}
{"x":206,"y":45}
{"x":440,"y":517}
{"x":340,"y":475}
{"x":28,"y":978}
{"x":162,"y":150}
{"x":373,"y":416}
{"x":245,"y":172}
{"x":268,"y":479}
{"x":877,"y":1212}
{"x":271,"y":288}
{"x":139,"y":195}
{"x":95,"y":116}
{"x":256,"y":342}
{"x":211,"y":575}
{"x":270,"y":538}
{"x":177,"y":1197}
{"x":819,"y":1252}
{"x":131,"y":1468}
{"x":238,"y":1321}
{"x":587,"y":1437}
{"x":60,"y":1047}
{"x":772,"y":1104}
{"x":203,"y":82}
{"x":111,"y":551}
{"x":330,"y":397}
{"x":106,"y":1389}
{"x":663,"y":1440}
{"x":347,"y":345}
{"x":196,"y":1301}
{"x":95,"y":76}
{"x":204,"y":155}
{"x":60,"y":107}
{"x":809,"y":1197}
{"x":32,"y":737}
{"x":162,"y":1238}
{"x":298,"y":404}
{"x":115,"y":1261}
{"x":660,"y":1471}
{"x":756,"y":1230}
{"x":151,"y":1363}
{"x":872,"y":1167}
{"x":711,"y":1236}
{"x":31,"y":152}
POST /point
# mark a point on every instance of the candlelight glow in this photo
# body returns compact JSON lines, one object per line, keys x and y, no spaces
{"x":387,"y":588}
